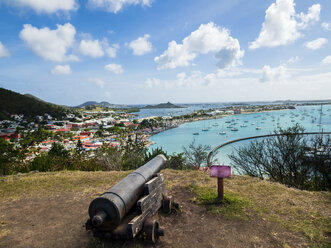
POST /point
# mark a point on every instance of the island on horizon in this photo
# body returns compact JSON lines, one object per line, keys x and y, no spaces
{"x":162,"y":105}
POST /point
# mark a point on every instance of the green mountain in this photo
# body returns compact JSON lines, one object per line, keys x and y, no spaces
{"x":100,"y":104}
{"x":162,"y":105}
{"x":14,"y":103}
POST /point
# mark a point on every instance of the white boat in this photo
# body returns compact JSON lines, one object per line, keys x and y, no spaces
{"x":222,"y":133}
{"x":243,"y":125}
{"x":258,"y":128}
{"x":234,"y":129}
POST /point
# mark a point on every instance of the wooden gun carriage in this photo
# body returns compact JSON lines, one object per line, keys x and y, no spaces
{"x":127,"y":208}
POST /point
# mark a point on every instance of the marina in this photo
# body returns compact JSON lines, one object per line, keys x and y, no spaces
{"x":173,"y":141}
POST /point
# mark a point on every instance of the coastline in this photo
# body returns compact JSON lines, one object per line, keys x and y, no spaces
{"x":201,"y":118}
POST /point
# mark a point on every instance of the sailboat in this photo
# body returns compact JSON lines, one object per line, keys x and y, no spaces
{"x":204,"y":127}
{"x":222,"y":131}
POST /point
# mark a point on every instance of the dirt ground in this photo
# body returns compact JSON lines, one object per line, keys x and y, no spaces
{"x":58,"y":221}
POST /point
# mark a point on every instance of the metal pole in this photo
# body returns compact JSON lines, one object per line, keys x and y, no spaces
{"x":220,"y":188}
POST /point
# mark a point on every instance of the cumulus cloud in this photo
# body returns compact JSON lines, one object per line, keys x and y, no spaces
{"x":273,"y":74}
{"x":44,"y":6}
{"x":316,"y":44}
{"x":112,"y":50}
{"x":50,"y":44}
{"x":326,"y":26}
{"x":141,"y":45}
{"x":208,"y":38}
{"x":327,"y":60}
{"x":91,"y":48}
{"x":115,"y":68}
{"x":98,"y":82}
{"x":61,"y":70}
{"x":3,"y":51}
{"x":282,"y":25}
{"x":115,"y":6}
{"x":313,"y":15}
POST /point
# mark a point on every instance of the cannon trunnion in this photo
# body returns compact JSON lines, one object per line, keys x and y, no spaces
{"x":127,"y":208}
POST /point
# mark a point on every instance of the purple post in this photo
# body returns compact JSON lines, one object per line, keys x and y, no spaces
{"x":220,"y":172}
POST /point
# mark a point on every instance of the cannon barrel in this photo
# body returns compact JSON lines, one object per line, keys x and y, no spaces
{"x":109,"y":208}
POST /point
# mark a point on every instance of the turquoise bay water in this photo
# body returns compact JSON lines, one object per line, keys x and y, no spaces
{"x":173,"y":140}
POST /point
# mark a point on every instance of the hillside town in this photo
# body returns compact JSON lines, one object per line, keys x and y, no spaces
{"x":88,"y":130}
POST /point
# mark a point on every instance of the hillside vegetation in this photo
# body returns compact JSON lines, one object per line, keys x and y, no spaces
{"x":257,"y":213}
{"x":14,"y":103}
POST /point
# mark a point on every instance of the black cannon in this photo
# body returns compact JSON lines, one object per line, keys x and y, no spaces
{"x":127,"y":208}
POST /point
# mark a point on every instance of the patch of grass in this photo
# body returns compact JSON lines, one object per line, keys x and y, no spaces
{"x":53,"y":183}
{"x":4,"y":233}
{"x":95,"y":243}
{"x":232,"y":206}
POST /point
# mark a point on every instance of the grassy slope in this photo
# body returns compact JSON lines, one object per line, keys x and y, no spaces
{"x":298,"y":211}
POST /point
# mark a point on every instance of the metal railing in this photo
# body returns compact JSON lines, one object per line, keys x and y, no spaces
{"x":256,"y":137}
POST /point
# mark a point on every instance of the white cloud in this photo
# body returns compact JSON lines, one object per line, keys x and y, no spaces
{"x":50,"y":44}
{"x":327,"y":60}
{"x":197,"y":79}
{"x":206,"y":39}
{"x":91,"y":48}
{"x":44,"y":6}
{"x":112,"y":50}
{"x":281,"y":25}
{"x":115,"y":6}
{"x":61,"y":70}
{"x":141,"y":45}
{"x":3,"y":51}
{"x":115,"y":68}
{"x":292,"y":60}
{"x":98,"y":82}
{"x":326,"y":26}
{"x":313,"y":15}
{"x":316,"y":44}
{"x":273,"y":74}
{"x":176,"y":55}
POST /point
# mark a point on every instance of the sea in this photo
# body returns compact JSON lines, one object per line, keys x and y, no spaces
{"x":191,"y":107}
{"x":173,"y":140}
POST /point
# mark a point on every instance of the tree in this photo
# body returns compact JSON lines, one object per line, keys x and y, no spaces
{"x":286,"y":158}
{"x":176,"y":161}
{"x":58,"y":150}
{"x":152,"y":154}
{"x":133,"y":153}
{"x":79,"y":146}
{"x":109,"y":158}
{"x":8,"y":155}
{"x":196,"y":155}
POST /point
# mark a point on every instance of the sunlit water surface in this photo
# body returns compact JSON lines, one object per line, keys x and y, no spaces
{"x":173,"y":140}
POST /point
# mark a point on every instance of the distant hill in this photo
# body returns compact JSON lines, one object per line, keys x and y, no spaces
{"x":100,"y":104}
{"x":14,"y":103}
{"x":162,"y":105}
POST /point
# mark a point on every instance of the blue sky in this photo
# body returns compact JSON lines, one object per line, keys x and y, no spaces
{"x":151,"y":51}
